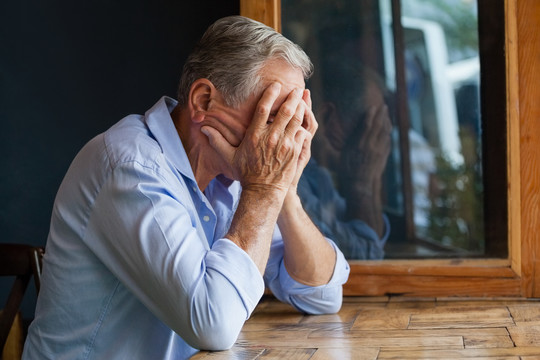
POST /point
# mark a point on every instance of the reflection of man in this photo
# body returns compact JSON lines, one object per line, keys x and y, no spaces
{"x":165,"y":224}
{"x":350,"y":154}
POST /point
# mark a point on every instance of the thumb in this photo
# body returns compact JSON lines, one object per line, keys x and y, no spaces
{"x":218,"y":142}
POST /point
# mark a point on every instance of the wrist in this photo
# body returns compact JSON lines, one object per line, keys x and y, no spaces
{"x":290,"y":208}
{"x":263,"y":199}
{"x":255,"y":217}
{"x":265,"y":191}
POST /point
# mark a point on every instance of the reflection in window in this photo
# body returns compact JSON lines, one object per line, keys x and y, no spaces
{"x":396,"y":169}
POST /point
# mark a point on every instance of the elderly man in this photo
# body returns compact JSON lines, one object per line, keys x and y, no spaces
{"x":168,"y":226}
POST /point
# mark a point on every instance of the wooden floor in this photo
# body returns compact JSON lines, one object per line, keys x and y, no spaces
{"x":392,"y":328}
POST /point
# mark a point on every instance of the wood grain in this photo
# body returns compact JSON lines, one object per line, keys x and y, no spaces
{"x":411,"y":285}
{"x":528,"y":14}
{"x":393,"y":328}
{"x":266,"y":11}
{"x":15,"y":341}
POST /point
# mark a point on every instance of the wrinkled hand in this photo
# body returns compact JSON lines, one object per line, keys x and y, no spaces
{"x":366,"y":151}
{"x":268,"y":156}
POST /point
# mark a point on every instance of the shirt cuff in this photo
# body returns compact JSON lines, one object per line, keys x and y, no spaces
{"x":339,"y":277}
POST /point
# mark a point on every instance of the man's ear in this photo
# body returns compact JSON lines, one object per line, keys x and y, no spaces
{"x":200,"y":94}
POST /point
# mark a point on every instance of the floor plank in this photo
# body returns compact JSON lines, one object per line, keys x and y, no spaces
{"x":525,"y":314}
{"x":461,"y":317}
{"x":352,"y":353}
{"x":463,"y":332}
{"x":525,"y":335}
{"x":382,"y":319}
{"x":292,"y":354}
{"x":347,"y":314}
{"x":263,"y":339}
{"x":460,"y":354}
{"x":482,"y":340}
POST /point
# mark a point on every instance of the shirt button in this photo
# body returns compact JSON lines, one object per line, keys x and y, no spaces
{"x":206,"y":218}
{"x":194,"y":188}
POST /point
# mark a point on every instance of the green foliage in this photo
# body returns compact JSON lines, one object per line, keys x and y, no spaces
{"x":456,"y":217}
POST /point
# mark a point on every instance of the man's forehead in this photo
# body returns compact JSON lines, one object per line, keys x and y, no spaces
{"x":279,"y":71}
{"x":290,"y":77}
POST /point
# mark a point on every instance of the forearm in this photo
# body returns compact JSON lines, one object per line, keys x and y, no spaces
{"x":308,"y":257}
{"x":325,"y":299}
{"x":254,"y":221}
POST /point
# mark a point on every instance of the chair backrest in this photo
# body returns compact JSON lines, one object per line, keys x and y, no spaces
{"x":21,"y":262}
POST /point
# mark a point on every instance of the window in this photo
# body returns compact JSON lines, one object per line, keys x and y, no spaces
{"x":407,"y":108}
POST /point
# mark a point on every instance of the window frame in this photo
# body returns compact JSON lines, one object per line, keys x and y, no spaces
{"x":517,"y":274}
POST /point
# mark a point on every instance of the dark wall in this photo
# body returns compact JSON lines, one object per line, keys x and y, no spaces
{"x":68,"y":71}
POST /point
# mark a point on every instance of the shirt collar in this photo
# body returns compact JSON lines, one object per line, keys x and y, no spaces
{"x":159,"y":121}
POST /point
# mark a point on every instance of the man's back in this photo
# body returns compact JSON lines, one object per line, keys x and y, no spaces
{"x":73,"y":315}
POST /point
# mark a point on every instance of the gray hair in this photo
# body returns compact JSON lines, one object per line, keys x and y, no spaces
{"x":231,"y":54}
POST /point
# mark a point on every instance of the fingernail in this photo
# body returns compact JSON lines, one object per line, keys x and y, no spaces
{"x":205,"y":131}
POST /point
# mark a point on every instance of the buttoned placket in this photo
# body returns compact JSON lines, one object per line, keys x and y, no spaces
{"x":207,"y":217}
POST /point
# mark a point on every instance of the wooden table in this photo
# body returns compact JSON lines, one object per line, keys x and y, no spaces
{"x":392,"y":328}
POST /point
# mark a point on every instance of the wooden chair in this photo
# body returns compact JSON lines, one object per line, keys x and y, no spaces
{"x":21,"y":262}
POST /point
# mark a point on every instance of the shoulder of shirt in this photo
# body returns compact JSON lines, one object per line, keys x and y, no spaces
{"x":129,"y":140}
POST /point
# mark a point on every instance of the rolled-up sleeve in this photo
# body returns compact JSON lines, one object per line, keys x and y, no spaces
{"x":156,"y":248}
{"x":324,"y":299}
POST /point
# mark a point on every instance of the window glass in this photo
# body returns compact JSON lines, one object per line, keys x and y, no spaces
{"x":396,"y":168}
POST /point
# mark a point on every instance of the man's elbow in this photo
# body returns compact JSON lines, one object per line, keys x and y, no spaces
{"x":331,"y":307}
{"x":323,"y":307}
{"x":212,"y":342}
{"x":215,"y":338}
{"x":216,"y":330}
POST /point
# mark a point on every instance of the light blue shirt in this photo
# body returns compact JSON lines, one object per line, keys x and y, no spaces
{"x":136,"y":263}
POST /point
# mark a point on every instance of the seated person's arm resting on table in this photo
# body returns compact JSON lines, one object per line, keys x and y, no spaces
{"x":141,"y":251}
{"x":309,"y":259}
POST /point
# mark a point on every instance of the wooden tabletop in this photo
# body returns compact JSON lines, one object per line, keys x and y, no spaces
{"x":392,"y":328}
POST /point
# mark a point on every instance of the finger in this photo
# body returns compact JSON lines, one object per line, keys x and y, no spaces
{"x":306,"y":147}
{"x":310,"y":122}
{"x":219,"y":143}
{"x":287,"y":112}
{"x":302,"y":135}
{"x":307,"y":98}
{"x":304,"y":138}
{"x":264,"y":106}
{"x":296,"y":121}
